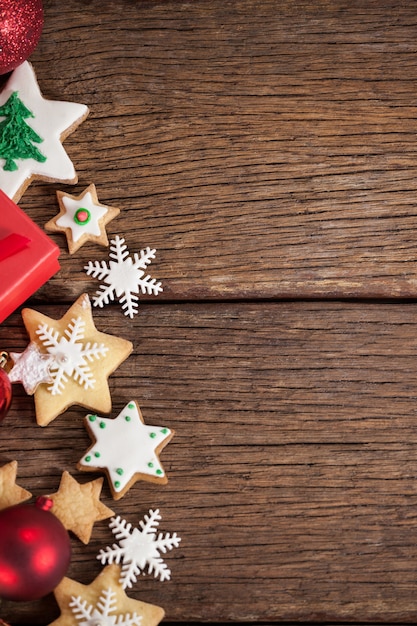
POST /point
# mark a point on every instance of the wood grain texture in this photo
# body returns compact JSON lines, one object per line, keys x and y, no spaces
{"x":265,"y":149}
{"x":292,"y":475}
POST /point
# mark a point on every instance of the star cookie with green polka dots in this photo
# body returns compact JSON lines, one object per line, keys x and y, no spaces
{"x":82,"y":218}
{"x":125,"y":448}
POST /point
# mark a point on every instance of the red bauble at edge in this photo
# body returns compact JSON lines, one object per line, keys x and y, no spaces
{"x":21,"y":23}
{"x":35,"y":551}
{"x":5,"y":393}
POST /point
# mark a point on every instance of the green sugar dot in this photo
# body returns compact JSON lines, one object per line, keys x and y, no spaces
{"x":92,"y":418}
{"x":164,"y":431}
{"x":127,"y":418}
{"x":117,"y":484}
{"x":131,"y":405}
{"x":152,"y":435}
{"x":150,"y":464}
{"x":87,"y":459}
{"x":159,"y":472}
{"x":119,"y":471}
{"x":97,"y":455}
{"x":102,"y":424}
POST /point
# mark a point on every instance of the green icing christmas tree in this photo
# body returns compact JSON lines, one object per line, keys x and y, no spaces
{"x":16,"y":136}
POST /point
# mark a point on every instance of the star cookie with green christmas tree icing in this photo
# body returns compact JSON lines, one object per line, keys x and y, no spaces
{"x":125,"y":448}
{"x":82,"y":218}
{"x":32,"y":129}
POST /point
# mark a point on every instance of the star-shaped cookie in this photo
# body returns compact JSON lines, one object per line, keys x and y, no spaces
{"x":10,"y":493}
{"x":31,"y":368}
{"x":32,"y":130}
{"x":82,"y":218}
{"x":126,"y":449}
{"x":83,"y":360}
{"x":102,"y":602}
{"x":78,"y":506}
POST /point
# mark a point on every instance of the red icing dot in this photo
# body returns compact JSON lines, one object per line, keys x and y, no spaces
{"x":82,"y":216}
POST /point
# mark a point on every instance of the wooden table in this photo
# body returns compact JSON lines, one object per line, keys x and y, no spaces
{"x":267,"y":150}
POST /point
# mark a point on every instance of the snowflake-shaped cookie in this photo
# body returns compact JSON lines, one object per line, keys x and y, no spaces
{"x":123,"y":277}
{"x":126,"y":448}
{"x":71,"y":354}
{"x":139,"y":548}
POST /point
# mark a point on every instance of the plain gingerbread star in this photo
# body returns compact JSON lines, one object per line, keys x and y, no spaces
{"x":106,"y":584}
{"x":82,"y":218}
{"x":10,"y":492}
{"x":84,"y":358}
{"x":126,"y":449}
{"x":78,"y":506}
{"x":44,"y":124}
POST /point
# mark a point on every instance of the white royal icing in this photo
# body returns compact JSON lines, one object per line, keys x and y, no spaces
{"x":51,"y":120}
{"x":125,"y":446}
{"x":72,"y":205}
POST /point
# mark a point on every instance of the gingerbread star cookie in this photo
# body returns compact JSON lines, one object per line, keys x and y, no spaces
{"x":126,"y":449}
{"x":78,"y":506}
{"x":10,"y":492}
{"x":83,"y":359}
{"x":32,"y":130}
{"x":82,"y":218}
{"x":102,"y":602}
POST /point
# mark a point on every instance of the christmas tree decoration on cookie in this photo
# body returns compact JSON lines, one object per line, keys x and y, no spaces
{"x":17,"y":138}
{"x":32,"y":130}
{"x":103,"y":602}
{"x":83,"y":359}
{"x":82,"y":218}
{"x":123,"y":277}
{"x":126,"y":449}
{"x":139,"y":548}
{"x":10,"y":493}
{"x":78,"y":506}
{"x":31,"y":368}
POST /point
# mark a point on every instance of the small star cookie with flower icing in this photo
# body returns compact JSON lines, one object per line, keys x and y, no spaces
{"x":126,"y":448}
{"x":82,"y":218}
{"x":32,"y":130}
{"x":83,"y":359}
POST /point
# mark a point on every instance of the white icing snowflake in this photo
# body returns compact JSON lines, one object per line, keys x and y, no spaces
{"x":87,"y":615}
{"x":123,"y":277}
{"x":138,"y":548}
{"x":70,"y":355}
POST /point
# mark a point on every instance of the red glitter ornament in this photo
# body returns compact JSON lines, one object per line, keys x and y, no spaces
{"x":5,"y":388}
{"x":35,"y":551}
{"x":21,"y":23}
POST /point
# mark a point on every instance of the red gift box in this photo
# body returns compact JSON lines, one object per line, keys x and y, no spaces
{"x":28,"y":257}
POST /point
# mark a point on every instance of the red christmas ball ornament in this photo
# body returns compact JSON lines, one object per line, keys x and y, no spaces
{"x":5,"y":394}
{"x":21,"y":23}
{"x":5,"y":388}
{"x":35,"y":551}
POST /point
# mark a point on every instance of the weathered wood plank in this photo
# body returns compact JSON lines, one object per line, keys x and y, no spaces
{"x":292,"y":473}
{"x":265,"y":149}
